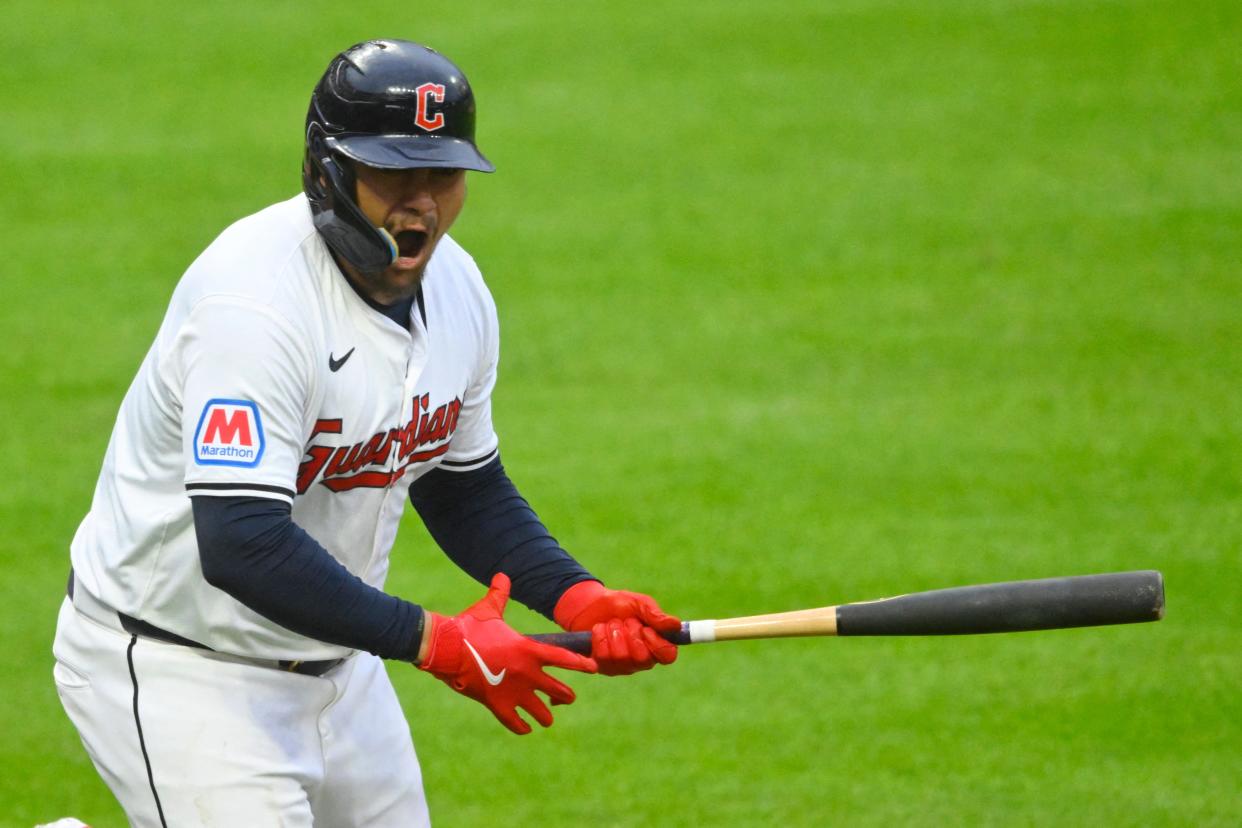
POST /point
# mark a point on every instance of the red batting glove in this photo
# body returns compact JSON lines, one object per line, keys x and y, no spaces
{"x":480,"y":656}
{"x":624,"y":627}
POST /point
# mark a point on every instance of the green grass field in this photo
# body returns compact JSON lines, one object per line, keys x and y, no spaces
{"x":804,"y":302}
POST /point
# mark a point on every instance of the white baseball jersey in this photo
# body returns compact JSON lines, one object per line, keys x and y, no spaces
{"x":270,"y":377}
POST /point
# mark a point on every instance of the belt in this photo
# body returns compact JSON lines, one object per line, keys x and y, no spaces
{"x":93,"y":608}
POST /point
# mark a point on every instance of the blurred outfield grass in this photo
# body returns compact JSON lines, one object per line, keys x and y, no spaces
{"x":803,"y":302}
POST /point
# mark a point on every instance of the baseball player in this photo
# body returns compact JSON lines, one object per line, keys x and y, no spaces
{"x":220,"y":650}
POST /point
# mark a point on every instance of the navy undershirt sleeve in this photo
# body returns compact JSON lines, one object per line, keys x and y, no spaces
{"x":483,"y":524}
{"x":251,"y":548}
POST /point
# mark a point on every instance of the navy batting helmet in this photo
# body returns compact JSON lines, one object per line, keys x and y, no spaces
{"x":390,"y":104}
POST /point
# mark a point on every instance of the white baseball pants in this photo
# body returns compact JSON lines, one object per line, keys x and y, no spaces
{"x":187,"y":737}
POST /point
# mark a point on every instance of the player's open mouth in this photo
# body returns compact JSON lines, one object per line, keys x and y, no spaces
{"x":410,"y":243}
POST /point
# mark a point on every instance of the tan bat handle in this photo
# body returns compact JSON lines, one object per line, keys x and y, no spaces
{"x":820,"y":621}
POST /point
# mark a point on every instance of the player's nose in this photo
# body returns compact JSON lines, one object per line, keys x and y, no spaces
{"x":416,"y":190}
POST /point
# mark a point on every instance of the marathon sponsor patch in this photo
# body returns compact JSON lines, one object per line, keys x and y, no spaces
{"x":229,"y":433}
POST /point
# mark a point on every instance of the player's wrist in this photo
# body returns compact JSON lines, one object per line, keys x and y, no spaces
{"x":424,"y":638}
{"x":574,"y":600}
{"x":440,"y":651}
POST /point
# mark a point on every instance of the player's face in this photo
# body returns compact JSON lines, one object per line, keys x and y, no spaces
{"x":417,"y":207}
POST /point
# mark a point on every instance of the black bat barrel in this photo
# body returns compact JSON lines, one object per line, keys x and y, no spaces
{"x":1015,"y":606}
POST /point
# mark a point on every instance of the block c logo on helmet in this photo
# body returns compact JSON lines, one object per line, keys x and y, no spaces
{"x":426,"y":93}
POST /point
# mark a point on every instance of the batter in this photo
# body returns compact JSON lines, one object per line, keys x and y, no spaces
{"x":321,"y":363}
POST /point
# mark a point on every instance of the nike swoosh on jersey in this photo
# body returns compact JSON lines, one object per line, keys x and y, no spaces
{"x":334,"y":365}
{"x":492,"y":678}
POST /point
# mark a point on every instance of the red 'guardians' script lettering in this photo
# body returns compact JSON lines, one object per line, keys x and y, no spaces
{"x":367,"y":463}
{"x":426,"y":93}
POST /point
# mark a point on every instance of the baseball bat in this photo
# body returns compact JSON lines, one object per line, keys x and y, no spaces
{"x":1012,"y":606}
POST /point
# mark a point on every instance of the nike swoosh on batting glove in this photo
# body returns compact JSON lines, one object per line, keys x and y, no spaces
{"x":480,"y":656}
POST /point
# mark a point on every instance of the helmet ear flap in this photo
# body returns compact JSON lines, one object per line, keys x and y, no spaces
{"x":314,"y":182}
{"x":329,"y":185}
{"x":321,"y":170}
